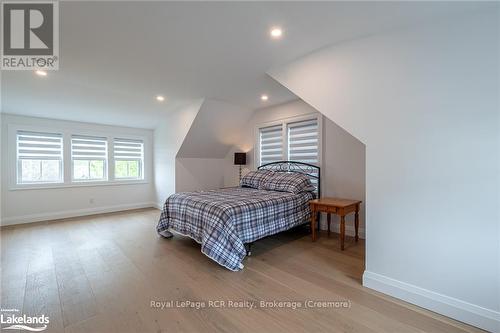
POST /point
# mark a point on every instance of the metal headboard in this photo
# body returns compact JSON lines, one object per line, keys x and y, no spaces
{"x":310,"y":170}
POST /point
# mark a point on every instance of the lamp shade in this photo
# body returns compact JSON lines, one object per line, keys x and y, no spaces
{"x":240,"y":158}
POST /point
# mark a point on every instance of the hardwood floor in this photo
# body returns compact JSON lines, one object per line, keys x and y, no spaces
{"x":100,"y":274}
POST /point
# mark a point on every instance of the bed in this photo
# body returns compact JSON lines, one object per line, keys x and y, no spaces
{"x":226,"y":221}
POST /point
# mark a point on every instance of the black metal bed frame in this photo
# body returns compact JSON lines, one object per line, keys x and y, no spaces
{"x":310,"y":170}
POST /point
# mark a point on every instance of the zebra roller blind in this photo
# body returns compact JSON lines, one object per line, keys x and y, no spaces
{"x":271,"y":144}
{"x":39,"y":157}
{"x":129,"y":158}
{"x":89,"y":156}
{"x":88,"y":148}
{"x":127,"y":149}
{"x":39,"y":146}
{"x":303,"y":141}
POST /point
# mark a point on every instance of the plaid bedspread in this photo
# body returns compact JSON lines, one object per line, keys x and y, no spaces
{"x":223,"y":220}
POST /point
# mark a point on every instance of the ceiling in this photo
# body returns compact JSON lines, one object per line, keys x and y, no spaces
{"x":116,"y":56}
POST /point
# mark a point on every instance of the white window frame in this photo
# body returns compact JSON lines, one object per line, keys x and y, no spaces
{"x":141,"y":160}
{"x":106,"y":160}
{"x":284,"y":128}
{"x":12,"y":167}
{"x":19,"y":164}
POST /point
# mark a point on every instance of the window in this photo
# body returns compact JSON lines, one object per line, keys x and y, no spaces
{"x":89,"y":157}
{"x":303,"y":143}
{"x":294,"y":139}
{"x":271,"y":144}
{"x":129,"y":158}
{"x":36,"y":156}
{"x":39,"y":157}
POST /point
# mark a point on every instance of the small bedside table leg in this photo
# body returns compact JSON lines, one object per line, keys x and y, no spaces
{"x":342,"y":231}
{"x":356,"y":222}
{"x":318,"y":219}
{"x":329,"y":218}
{"x":313,"y":225}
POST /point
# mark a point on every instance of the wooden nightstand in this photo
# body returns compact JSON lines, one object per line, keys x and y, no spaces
{"x":338,"y":206}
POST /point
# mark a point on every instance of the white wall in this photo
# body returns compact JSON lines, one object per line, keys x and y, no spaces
{"x":168,"y":138}
{"x":200,"y":161}
{"x":425,"y":103}
{"x":214,"y":130}
{"x":29,"y":205}
{"x":343,"y":169}
{"x":194,"y":174}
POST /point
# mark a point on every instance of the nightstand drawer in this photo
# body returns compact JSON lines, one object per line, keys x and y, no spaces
{"x":324,"y":208}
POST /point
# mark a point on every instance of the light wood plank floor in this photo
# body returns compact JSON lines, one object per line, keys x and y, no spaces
{"x":100,"y":273}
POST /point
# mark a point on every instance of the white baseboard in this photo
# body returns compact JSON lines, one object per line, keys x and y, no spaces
{"x":475,"y":315}
{"x":158,"y":205}
{"x":72,"y":213}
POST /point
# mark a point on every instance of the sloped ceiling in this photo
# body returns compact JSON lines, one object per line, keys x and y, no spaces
{"x":216,"y":128}
{"x":116,"y":56}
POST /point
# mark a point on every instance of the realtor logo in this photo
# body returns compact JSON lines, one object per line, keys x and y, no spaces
{"x":30,"y":35}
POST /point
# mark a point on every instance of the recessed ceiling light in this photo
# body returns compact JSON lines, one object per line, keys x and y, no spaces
{"x":276,"y":32}
{"x":264,"y":97}
{"x":41,"y":73}
{"x":160,"y":98}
